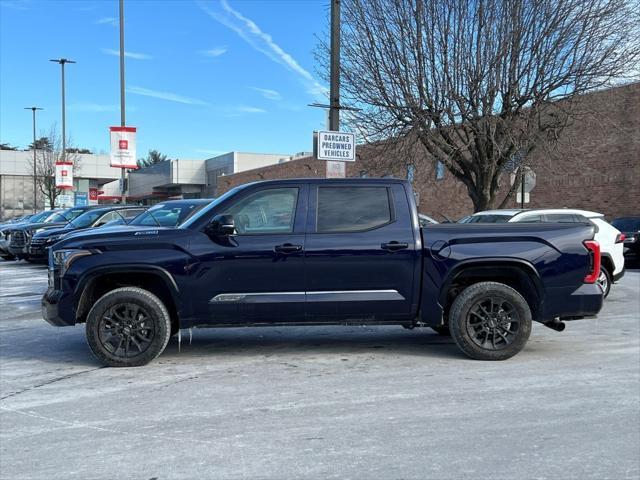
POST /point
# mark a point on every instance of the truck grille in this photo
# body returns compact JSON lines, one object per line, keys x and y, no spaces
{"x":18,"y":239}
{"x":37,"y":242}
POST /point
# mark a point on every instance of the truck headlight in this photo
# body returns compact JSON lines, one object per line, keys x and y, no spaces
{"x":53,"y":238}
{"x":62,"y":259}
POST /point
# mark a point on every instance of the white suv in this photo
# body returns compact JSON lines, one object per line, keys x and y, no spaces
{"x":609,"y":237}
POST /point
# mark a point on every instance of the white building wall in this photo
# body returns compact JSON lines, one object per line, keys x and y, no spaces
{"x":248,"y":161}
{"x":13,"y":162}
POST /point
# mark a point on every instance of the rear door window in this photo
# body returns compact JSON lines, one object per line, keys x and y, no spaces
{"x":353,"y":209}
{"x":530,"y":219}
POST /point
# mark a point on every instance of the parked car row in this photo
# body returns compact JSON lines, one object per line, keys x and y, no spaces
{"x":31,"y":237}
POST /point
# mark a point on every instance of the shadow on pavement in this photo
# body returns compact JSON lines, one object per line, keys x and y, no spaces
{"x":267,"y":341}
{"x":71,"y":347}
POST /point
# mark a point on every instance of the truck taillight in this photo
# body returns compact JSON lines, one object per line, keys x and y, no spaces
{"x":594,"y":249}
{"x":621,"y":238}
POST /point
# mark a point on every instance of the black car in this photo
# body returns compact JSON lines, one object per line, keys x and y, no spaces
{"x":18,"y":235}
{"x":630,"y":226}
{"x":96,"y":216}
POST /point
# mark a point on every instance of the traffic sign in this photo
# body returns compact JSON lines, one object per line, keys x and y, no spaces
{"x":336,"y":146}
{"x":529,"y":180}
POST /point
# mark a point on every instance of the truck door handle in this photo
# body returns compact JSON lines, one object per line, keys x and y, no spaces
{"x":393,"y":246}
{"x":287,"y":248}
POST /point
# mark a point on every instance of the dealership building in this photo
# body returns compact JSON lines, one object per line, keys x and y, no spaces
{"x":16,"y":180}
{"x":183,"y":178}
{"x":95,"y":181}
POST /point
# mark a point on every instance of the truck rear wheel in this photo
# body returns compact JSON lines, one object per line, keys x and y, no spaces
{"x":128,"y":327}
{"x":490,"y":321}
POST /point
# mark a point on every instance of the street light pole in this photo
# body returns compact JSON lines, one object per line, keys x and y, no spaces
{"x":35,"y":171}
{"x":122,"y":99}
{"x":334,"y":92}
{"x":62,"y":62}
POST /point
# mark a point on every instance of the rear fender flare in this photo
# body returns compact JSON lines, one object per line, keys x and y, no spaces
{"x":526,"y":267}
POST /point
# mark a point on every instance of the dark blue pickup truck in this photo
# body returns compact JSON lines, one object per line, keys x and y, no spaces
{"x":321,"y":252}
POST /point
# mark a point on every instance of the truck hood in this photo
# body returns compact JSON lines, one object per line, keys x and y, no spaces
{"x":52,"y":231}
{"x":125,"y":238}
{"x":36,"y":226}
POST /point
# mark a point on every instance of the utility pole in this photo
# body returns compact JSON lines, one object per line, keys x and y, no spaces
{"x":35,"y":170}
{"x":523,"y":183}
{"x":62,"y":62}
{"x":334,"y":92}
{"x":123,"y":190}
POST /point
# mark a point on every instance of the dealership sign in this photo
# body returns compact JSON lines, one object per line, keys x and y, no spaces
{"x":336,"y":146}
{"x":64,"y":200}
{"x":64,"y":175}
{"x":123,"y":147}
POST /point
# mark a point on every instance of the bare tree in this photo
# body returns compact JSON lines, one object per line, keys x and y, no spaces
{"x":49,"y":151}
{"x":479,"y":84}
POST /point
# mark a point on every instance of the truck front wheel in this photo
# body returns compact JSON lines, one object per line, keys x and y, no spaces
{"x":490,"y":321}
{"x":128,"y":327}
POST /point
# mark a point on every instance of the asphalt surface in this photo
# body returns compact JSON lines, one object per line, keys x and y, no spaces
{"x":321,"y":402}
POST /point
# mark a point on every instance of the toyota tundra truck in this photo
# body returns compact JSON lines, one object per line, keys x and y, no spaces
{"x":321,"y":252}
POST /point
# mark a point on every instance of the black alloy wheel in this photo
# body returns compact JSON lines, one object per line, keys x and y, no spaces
{"x":490,"y":321}
{"x":126,"y":330}
{"x":128,"y":327}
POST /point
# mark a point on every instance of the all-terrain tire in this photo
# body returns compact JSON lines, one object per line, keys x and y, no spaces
{"x":155,"y":323}
{"x":468,"y":328}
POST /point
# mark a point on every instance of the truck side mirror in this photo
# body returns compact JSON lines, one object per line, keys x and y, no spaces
{"x":221,"y":226}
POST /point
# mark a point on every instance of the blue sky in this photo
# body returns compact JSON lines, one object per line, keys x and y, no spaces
{"x":203,"y":77}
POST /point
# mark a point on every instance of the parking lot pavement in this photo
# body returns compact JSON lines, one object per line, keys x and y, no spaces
{"x":330,"y":402}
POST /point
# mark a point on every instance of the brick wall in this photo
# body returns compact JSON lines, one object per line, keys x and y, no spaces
{"x":595,"y":165}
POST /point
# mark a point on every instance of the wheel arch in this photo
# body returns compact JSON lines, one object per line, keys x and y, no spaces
{"x":517,"y":274}
{"x":607,"y":262}
{"x":96,"y":282}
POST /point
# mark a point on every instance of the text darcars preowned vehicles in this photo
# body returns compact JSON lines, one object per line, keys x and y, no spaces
{"x":319,"y":251}
{"x":95,"y":217}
